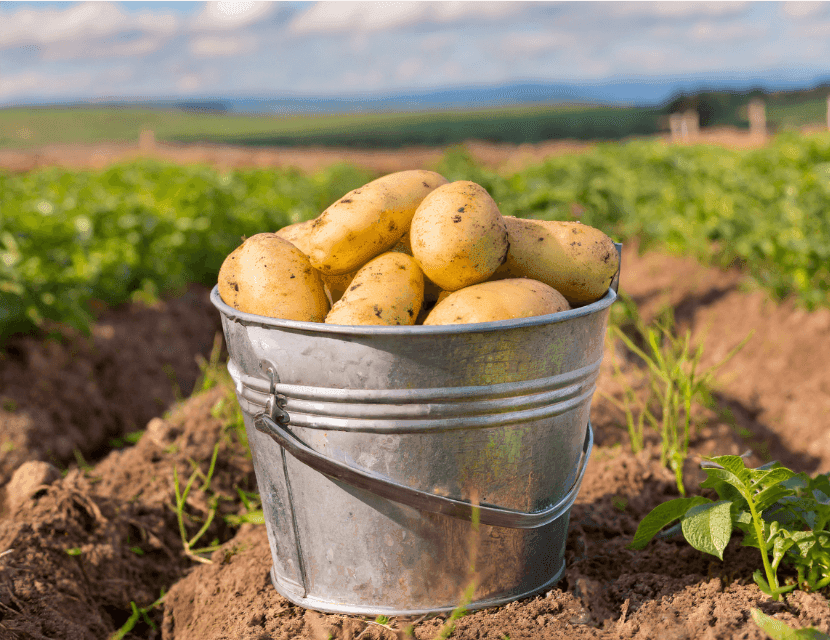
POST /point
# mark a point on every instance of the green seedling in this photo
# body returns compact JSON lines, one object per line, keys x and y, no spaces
{"x":211,"y":371}
{"x":674,"y":382}
{"x":778,"y":630}
{"x":782,"y":514}
{"x":181,"y":500}
{"x":138,"y":613}
{"x":128,"y":439}
{"x":253,"y":510}
{"x":74,"y":551}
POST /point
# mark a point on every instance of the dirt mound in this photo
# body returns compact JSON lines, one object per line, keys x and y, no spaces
{"x":81,"y":549}
{"x":72,"y":392}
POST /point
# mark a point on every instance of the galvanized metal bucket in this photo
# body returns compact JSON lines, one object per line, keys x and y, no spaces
{"x":399,"y":465}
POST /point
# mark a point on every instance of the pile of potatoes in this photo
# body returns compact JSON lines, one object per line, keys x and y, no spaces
{"x":412,"y":248}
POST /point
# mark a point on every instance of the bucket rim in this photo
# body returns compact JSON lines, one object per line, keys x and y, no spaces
{"x":375,"y":330}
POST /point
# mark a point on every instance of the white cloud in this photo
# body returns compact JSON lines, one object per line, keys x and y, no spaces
{"x":534,"y":44}
{"x":50,"y":84}
{"x":409,"y":69}
{"x":226,"y":16}
{"x":804,"y":10}
{"x":221,"y":46}
{"x":83,"y":22}
{"x":737,"y":32}
{"x":813,"y":30}
{"x":333,"y":17}
{"x":677,"y":9}
{"x":98,"y":50}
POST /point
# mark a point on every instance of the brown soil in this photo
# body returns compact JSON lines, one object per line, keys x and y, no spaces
{"x":98,"y":156}
{"x":78,"y":551}
{"x":71,"y":392}
{"x":502,"y":157}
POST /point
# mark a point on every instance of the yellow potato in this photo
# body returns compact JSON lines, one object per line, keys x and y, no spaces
{"x":297,"y":234}
{"x":577,"y":260}
{"x":497,"y":300}
{"x":388,"y":290}
{"x":458,"y":236}
{"x":368,"y":221}
{"x":269,"y":276}
{"x":431,"y":290}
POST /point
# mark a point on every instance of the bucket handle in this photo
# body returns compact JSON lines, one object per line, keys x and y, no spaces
{"x":422,"y":500}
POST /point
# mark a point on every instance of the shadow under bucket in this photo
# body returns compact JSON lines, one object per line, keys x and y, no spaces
{"x":371,"y":444}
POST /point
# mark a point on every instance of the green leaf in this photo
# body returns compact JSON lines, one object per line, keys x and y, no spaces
{"x":778,"y":630}
{"x":708,"y":527}
{"x":660,"y":517}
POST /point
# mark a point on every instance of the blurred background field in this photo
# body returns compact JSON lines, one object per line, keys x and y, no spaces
{"x":218,"y":123}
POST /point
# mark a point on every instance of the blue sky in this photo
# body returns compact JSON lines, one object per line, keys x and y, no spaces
{"x":56,"y":51}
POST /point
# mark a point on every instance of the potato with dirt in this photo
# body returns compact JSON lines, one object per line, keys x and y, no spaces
{"x":388,"y":290}
{"x":497,"y":300}
{"x":368,"y":221}
{"x":268,"y":276}
{"x":577,"y":260}
{"x":298,"y":234}
{"x":458,"y":236}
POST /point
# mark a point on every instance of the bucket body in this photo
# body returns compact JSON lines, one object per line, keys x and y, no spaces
{"x":399,"y":465}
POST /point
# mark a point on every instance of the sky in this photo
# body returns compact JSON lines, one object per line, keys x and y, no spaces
{"x":62,"y":51}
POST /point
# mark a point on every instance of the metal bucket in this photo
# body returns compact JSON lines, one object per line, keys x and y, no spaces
{"x":371,"y":445}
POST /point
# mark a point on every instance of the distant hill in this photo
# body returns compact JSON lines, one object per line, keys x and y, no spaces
{"x":640,"y":92}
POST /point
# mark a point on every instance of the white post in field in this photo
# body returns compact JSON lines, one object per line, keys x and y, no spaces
{"x":676,"y":120}
{"x":757,"y":118}
{"x":691,"y":121}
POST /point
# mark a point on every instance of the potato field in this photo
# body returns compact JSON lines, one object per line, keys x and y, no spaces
{"x":130,"y":507}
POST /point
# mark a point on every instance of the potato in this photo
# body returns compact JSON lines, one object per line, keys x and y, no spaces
{"x":577,"y":260}
{"x":368,"y":221}
{"x":431,"y":290}
{"x":458,"y":236}
{"x":269,"y":276}
{"x":498,"y":300}
{"x":297,"y":234}
{"x":388,"y":290}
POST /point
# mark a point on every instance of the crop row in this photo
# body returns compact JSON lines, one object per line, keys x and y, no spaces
{"x":766,"y":210}
{"x":71,"y":239}
{"x":68,"y":239}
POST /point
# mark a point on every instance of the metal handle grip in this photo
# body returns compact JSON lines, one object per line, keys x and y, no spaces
{"x":422,"y":500}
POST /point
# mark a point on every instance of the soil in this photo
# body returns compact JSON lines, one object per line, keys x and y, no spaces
{"x":502,"y":157}
{"x":84,"y":548}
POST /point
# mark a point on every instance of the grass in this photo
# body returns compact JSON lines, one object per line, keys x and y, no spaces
{"x":138,"y":613}
{"x":673,"y":381}
{"x":33,"y":127}
{"x":181,"y":515}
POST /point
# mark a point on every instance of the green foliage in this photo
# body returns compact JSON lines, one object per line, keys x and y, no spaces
{"x":782,"y":514}
{"x":72,"y":241}
{"x":764,"y":209}
{"x":778,"y":630}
